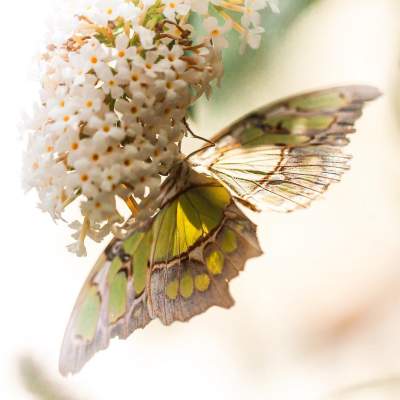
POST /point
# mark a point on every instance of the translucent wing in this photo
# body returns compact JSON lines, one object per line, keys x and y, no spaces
{"x":173,"y":267}
{"x":286,"y":155}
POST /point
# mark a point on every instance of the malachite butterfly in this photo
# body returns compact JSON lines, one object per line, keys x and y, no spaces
{"x":179,"y":263}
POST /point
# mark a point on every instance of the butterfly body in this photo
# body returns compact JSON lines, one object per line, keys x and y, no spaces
{"x":179,"y":262}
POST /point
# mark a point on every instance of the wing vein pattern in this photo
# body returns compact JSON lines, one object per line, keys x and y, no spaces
{"x":264,"y":158}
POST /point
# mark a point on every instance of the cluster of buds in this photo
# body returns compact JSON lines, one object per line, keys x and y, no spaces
{"x":116,"y":85}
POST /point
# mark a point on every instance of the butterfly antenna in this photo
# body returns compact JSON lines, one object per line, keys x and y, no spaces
{"x":208,"y":145}
{"x":199,"y":150}
{"x":197,"y":136}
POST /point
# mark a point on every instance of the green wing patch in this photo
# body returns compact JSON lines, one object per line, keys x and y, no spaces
{"x":88,"y":315}
{"x":172,"y":267}
{"x":214,"y":241}
{"x":286,"y":155}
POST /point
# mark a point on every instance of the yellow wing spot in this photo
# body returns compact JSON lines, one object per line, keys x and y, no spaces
{"x":215,"y":262}
{"x":172,"y":290}
{"x":202,"y":282}
{"x":186,"y":285}
{"x":229,"y":241}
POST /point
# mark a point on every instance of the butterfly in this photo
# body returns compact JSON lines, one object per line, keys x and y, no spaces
{"x":179,"y":262}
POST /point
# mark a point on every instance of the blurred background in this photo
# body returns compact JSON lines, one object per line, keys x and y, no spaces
{"x":317,"y":317}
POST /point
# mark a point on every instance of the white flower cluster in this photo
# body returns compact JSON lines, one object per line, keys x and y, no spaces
{"x":117,"y":81}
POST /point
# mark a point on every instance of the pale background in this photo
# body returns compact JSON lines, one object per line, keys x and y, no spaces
{"x":318,"y":313}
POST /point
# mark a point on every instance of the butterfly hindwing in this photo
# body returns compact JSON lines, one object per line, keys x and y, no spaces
{"x":214,"y":240}
{"x":286,"y":155}
{"x":172,"y":267}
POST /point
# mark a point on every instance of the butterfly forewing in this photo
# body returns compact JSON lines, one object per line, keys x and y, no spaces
{"x":285,"y":155}
{"x":112,"y":302}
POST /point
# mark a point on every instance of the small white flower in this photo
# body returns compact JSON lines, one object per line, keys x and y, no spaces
{"x":131,"y":110}
{"x":172,"y":59}
{"x":110,"y":178}
{"x":123,"y":52}
{"x":90,"y":100}
{"x":106,"y":128}
{"x":108,"y":11}
{"x":149,"y":64}
{"x":100,"y":208}
{"x":175,"y":7}
{"x":216,"y":32}
{"x":64,"y":118}
{"x":68,"y":142}
{"x":137,"y":79}
{"x":110,"y":82}
{"x":83,"y":178}
{"x":93,"y":56}
{"x":170,"y":85}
